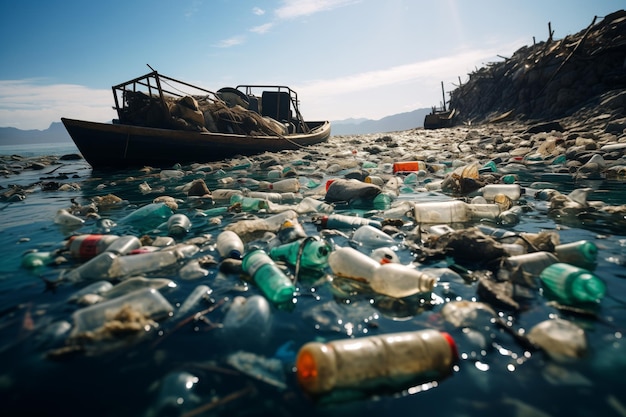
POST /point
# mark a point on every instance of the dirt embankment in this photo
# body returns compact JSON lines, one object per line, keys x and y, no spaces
{"x":578,"y":79}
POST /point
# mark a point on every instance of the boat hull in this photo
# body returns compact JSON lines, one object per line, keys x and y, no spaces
{"x":105,"y":145}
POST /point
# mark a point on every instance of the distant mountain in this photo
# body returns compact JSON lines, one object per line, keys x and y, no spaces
{"x":56,"y":133}
{"x":401,"y":121}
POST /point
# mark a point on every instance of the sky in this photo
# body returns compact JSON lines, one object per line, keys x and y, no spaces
{"x":344,"y":58}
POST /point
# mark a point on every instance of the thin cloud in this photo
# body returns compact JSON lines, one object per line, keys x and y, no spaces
{"x":258,"y":11}
{"x":445,"y":67}
{"x":25,"y":104}
{"x":262,"y":28}
{"x":296,"y":8}
{"x":227,"y":43}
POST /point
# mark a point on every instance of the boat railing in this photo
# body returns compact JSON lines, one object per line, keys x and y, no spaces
{"x":278,"y":102}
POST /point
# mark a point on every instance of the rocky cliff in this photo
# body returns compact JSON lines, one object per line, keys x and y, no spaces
{"x":582,"y":76}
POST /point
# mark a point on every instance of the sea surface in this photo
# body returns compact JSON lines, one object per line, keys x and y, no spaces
{"x":195,"y":365}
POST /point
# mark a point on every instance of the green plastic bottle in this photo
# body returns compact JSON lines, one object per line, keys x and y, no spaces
{"x":314,"y":253}
{"x":276,"y":286}
{"x":249,"y":203}
{"x":572,"y":284}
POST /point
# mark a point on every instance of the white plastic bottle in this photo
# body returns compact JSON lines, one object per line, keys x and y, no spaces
{"x":229,"y":245}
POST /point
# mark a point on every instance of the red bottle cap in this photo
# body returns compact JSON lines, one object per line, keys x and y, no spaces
{"x":452,"y":344}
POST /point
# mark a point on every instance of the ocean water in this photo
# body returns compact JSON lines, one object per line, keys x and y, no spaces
{"x":184,"y":365}
{"x":39,"y":149}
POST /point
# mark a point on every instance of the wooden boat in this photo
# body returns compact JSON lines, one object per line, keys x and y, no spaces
{"x":439,"y":117}
{"x":163,"y":121}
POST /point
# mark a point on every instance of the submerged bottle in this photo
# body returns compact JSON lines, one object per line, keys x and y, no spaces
{"x":313,"y":253}
{"x":229,"y":245}
{"x":398,"y":280}
{"x":276,"y":286}
{"x":572,"y":284}
{"x":367,"y":363}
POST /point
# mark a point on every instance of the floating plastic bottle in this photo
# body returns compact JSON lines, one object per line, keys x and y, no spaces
{"x":247,"y":322}
{"x":342,"y":221}
{"x":288,"y":185}
{"x":249,"y":203}
{"x":367,"y":363}
{"x":178,"y":225}
{"x":373,"y":179}
{"x":398,"y":280}
{"x":89,"y":245}
{"x":408,"y":166}
{"x":513,"y":191}
{"x":224,"y":194}
{"x":271,"y":224}
{"x":147,"y":217}
{"x":511,"y":216}
{"x":572,"y":284}
{"x":66,"y":219}
{"x":525,"y":269}
{"x":350,"y":263}
{"x":148,"y":302}
{"x":453,"y":211}
{"x":108,"y":265}
{"x":313,"y":253}
{"x":229,"y":245}
{"x":371,"y":237}
{"x":582,"y":253}
{"x":276,"y":286}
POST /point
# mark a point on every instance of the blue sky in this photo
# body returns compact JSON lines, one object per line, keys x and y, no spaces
{"x":345,"y":58}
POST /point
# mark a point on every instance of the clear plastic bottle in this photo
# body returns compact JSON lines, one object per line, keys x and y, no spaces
{"x":288,"y":185}
{"x":572,"y":284}
{"x":453,"y":211}
{"x":525,"y":269}
{"x":398,"y":280}
{"x":582,"y":253}
{"x":276,"y":286}
{"x":513,"y":191}
{"x":124,"y":245}
{"x":372,"y":237}
{"x":367,"y":363}
{"x":271,"y":224}
{"x":178,"y":225}
{"x":229,"y":245}
{"x":350,"y":263}
{"x":342,"y":221}
{"x":89,"y":245}
{"x":313,"y":255}
{"x":108,"y":265}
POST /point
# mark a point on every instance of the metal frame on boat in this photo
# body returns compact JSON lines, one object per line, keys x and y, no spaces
{"x":163,"y":121}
